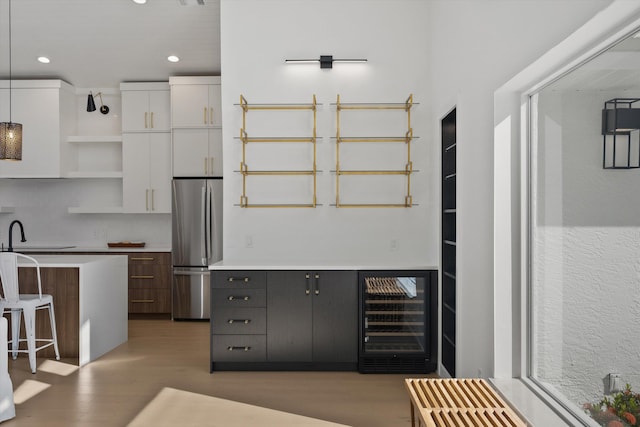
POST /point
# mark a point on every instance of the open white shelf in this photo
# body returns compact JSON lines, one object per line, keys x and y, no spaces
{"x":97,"y":174}
{"x":81,"y":139}
{"x":94,"y":209}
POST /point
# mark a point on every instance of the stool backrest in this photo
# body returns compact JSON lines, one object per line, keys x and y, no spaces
{"x":9,"y":275}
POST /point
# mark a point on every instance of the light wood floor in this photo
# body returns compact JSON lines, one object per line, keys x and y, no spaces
{"x":112,"y":390}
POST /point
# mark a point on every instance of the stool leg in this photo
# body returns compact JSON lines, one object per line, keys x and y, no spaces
{"x":15,"y":332}
{"x":54,"y":335}
{"x":30,"y":329}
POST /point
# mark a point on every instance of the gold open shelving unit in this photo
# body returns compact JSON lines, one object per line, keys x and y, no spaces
{"x":406,"y":139}
{"x":246,"y":140}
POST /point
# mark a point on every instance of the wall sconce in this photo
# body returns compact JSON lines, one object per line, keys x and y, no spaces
{"x":621,"y":134}
{"x":326,"y":61}
{"x":91,"y":105}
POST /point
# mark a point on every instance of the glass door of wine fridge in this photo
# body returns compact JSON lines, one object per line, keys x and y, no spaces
{"x":397,"y":321}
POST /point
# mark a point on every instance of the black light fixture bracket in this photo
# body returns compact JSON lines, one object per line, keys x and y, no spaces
{"x":621,"y":134}
{"x":91,"y":104}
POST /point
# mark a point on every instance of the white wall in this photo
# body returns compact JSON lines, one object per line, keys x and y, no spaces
{"x":257,"y":36}
{"x":475,"y":47}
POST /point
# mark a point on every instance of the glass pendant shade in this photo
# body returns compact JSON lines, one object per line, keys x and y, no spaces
{"x":10,"y":141}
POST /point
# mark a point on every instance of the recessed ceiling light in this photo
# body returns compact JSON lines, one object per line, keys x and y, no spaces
{"x":173,"y":58}
{"x":140,"y":1}
{"x":44,"y":59}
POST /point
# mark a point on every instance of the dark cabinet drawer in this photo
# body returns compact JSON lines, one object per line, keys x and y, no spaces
{"x":149,"y":301}
{"x":238,"y":320}
{"x":145,"y":258}
{"x":239,"y":279}
{"x":239,"y":297}
{"x":149,"y":276}
{"x":239,"y":348}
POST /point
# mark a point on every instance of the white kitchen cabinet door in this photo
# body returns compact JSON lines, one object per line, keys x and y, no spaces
{"x":195,"y":105}
{"x":145,"y":111}
{"x":38,"y":110}
{"x":215,"y":105}
{"x":160,"y":172}
{"x":197,"y":152}
{"x":190,"y":152}
{"x":146,"y":175}
{"x":189,"y":106}
{"x":135,"y":173}
{"x":215,"y":152}
{"x":160,"y":110}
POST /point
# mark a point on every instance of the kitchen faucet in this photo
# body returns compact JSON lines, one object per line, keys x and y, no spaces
{"x":15,"y":221}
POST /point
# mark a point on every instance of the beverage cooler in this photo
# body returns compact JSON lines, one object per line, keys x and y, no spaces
{"x":398,"y":321}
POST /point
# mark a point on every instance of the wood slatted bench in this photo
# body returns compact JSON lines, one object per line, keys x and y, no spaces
{"x":458,"y":402}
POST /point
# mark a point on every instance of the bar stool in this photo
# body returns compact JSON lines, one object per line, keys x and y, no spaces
{"x":26,"y":305}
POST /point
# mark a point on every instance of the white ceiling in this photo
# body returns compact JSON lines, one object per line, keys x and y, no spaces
{"x":101,"y":43}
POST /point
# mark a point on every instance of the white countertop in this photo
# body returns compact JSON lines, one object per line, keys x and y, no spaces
{"x":313,"y":265}
{"x":61,"y":261}
{"x":89,"y":249}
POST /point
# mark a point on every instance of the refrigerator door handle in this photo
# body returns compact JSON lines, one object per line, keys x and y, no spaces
{"x":209,"y":236}
{"x":191,"y":273}
{"x":204,"y":249}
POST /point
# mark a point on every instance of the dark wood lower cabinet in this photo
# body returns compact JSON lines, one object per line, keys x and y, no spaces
{"x":311,"y":320}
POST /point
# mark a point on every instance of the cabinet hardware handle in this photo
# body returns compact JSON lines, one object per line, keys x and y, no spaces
{"x":152,"y":120}
{"x":144,"y":301}
{"x":307,"y":291}
{"x":235,"y":348}
{"x":233,"y":298}
{"x":205,"y":115}
{"x":145,"y":120}
{"x":153,"y":202}
{"x":211,"y":116}
{"x":244,"y":279}
{"x":205,"y":166}
{"x":211,"y":168}
{"x":317,"y":277}
{"x":142,"y":258}
{"x":245,"y":321}
{"x":142,"y":277}
{"x":146,"y":199}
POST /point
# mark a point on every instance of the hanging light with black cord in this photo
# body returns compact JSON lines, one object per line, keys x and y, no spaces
{"x":10,"y":132}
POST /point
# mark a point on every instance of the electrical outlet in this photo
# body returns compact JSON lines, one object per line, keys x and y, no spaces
{"x":615,"y":383}
{"x":248,"y":241}
{"x":393,"y":245}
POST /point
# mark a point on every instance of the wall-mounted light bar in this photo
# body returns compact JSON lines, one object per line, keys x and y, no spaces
{"x":326,"y":61}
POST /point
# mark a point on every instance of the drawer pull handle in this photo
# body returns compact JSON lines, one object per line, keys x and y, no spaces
{"x":245,"y":321}
{"x":142,"y":277}
{"x":141,"y":258}
{"x":243,"y":279}
{"x":144,"y":301}
{"x":237,"y":347}
{"x":233,"y":298}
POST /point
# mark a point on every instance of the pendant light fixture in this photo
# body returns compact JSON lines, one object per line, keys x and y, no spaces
{"x":10,"y":132}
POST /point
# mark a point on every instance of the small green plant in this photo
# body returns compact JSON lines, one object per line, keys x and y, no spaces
{"x":620,"y":410}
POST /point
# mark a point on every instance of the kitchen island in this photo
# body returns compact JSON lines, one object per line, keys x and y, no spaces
{"x":89,"y":299}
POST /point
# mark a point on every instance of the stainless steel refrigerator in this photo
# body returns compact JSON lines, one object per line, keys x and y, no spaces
{"x":197,"y":242}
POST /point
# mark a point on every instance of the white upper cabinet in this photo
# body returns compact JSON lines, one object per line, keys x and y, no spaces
{"x":46,"y":109}
{"x":197,"y":152}
{"x":146,"y":107}
{"x":146,"y":182}
{"x":195,"y":102}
